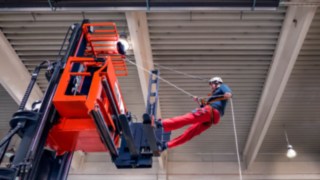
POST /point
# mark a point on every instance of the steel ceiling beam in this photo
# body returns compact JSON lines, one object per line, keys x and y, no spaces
{"x":52,"y":4}
{"x":14,"y":76}
{"x":121,"y":9}
{"x":296,"y":25}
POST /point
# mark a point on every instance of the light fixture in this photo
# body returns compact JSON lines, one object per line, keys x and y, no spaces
{"x":291,"y":153}
{"x":125,"y":43}
{"x":123,"y":39}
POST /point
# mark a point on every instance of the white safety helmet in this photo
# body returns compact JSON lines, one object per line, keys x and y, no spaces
{"x":216,"y":79}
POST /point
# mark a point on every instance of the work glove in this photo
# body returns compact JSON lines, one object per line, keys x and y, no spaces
{"x":201,"y":101}
{"x":195,"y":99}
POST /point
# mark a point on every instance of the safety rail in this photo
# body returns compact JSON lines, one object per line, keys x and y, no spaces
{"x":102,"y":39}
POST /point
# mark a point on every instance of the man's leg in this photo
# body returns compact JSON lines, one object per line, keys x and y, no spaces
{"x":189,"y":133}
{"x":200,"y":116}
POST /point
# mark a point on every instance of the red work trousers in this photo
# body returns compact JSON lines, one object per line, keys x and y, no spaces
{"x":200,"y":120}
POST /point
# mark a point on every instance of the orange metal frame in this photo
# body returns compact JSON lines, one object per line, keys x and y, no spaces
{"x":103,"y":41}
{"x":76,"y":129}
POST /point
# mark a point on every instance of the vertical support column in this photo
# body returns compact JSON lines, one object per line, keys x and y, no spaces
{"x":139,"y":33}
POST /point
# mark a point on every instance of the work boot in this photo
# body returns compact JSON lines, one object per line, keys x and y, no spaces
{"x":158,"y":123}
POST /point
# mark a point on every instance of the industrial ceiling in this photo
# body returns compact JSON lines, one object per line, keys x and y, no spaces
{"x":266,"y":51}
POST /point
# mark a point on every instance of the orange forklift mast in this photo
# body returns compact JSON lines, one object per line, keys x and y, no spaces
{"x":82,"y":109}
{"x":85,"y":92}
{"x":78,"y":105}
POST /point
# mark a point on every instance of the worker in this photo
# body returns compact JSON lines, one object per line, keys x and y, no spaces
{"x":201,"y":118}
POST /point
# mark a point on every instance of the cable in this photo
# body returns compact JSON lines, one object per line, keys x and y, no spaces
{"x":166,"y":81}
{"x":189,"y":94}
{"x":179,"y":72}
{"x":236,"y":139}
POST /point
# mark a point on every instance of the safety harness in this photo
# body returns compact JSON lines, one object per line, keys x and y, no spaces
{"x":203,"y":102}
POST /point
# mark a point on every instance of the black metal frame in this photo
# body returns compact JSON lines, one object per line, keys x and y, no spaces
{"x":33,"y":128}
{"x":151,"y":112}
{"x":53,"y":4}
{"x":104,"y":132}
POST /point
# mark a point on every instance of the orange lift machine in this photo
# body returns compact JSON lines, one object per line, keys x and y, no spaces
{"x":82,"y":109}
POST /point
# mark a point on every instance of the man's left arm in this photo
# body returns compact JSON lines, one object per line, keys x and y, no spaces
{"x":227,"y":94}
{"x":227,"y":91}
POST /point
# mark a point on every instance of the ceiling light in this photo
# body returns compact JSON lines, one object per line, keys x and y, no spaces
{"x":291,"y":153}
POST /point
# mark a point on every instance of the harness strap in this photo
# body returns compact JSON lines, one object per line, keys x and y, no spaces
{"x":211,"y":115}
{"x":216,"y":99}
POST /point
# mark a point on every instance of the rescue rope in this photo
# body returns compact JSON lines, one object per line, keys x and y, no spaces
{"x":164,"y":80}
{"x":236,"y":139}
{"x":191,"y":95}
{"x":183,"y":73}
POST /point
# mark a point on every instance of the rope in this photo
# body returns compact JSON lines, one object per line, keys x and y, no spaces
{"x":189,"y":94}
{"x":164,"y":80}
{"x":183,"y":73}
{"x":236,"y":139}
